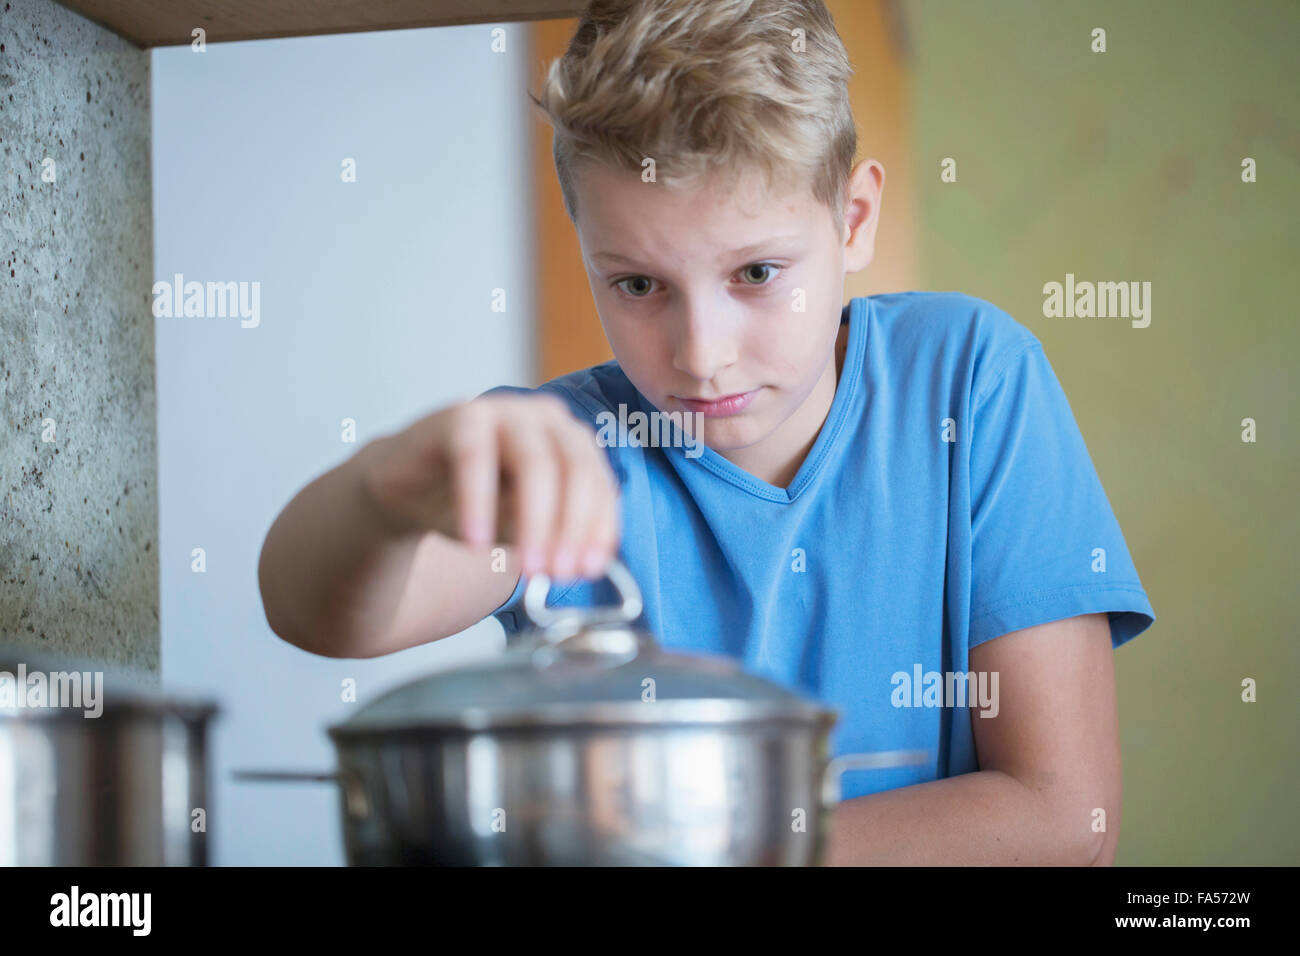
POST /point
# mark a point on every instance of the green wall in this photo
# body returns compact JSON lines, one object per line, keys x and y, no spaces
{"x":1120,"y":166}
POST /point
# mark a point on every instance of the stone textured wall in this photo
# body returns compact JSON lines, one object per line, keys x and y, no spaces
{"x":78,"y":457}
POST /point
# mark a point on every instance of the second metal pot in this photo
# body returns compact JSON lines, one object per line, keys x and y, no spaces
{"x":118,"y":778}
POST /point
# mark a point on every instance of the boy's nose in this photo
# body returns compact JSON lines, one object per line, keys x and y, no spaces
{"x":704,"y":346}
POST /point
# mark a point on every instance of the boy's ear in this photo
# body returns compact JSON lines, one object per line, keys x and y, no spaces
{"x":862,"y":214}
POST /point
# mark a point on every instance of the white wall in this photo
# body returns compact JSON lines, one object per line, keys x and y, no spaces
{"x":374,"y":305}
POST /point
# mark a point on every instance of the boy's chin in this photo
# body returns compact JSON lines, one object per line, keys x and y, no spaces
{"x":732,"y":433}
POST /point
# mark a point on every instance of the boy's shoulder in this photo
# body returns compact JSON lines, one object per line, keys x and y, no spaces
{"x":595,"y":389}
{"x":588,"y":391}
{"x":946,"y":330}
{"x":949,"y":318}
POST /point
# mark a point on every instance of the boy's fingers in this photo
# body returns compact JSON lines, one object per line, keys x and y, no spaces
{"x":580,"y":495}
{"x":534,"y":473}
{"x":475,"y":468}
{"x":600,"y":533}
{"x":603,"y":531}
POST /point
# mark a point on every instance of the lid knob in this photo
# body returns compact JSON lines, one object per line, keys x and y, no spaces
{"x":559,"y":622}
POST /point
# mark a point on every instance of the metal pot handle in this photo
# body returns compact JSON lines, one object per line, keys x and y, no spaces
{"x":354,"y":791}
{"x":880,"y":760}
{"x":571,"y":619}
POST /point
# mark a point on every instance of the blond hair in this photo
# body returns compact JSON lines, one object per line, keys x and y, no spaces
{"x":704,"y":87}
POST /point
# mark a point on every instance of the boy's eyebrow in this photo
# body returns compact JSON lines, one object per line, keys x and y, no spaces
{"x":743,"y":251}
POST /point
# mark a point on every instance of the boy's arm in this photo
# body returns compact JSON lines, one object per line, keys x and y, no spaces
{"x":1048,"y":760}
{"x":336,"y":581}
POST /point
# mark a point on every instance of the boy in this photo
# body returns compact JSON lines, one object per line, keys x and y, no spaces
{"x":888,"y":493}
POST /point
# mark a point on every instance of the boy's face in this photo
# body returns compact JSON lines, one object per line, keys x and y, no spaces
{"x":692,"y":313}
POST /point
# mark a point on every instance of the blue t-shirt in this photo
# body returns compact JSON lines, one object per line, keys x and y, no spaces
{"x":948,"y":499}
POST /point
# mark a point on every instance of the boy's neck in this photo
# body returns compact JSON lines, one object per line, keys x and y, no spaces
{"x":778,"y":458}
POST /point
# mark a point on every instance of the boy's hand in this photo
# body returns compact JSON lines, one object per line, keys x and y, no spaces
{"x":508,"y":469}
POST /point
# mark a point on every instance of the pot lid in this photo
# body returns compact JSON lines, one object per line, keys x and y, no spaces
{"x":580,"y":666}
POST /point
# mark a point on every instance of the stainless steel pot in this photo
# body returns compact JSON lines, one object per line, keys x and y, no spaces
{"x":586,"y":743}
{"x":119,"y":788}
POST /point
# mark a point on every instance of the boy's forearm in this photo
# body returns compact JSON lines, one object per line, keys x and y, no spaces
{"x":329,"y":567}
{"x":986,"y":818}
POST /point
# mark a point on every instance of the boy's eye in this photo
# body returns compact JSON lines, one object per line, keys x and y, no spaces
{"x":749,"y":271}
{"x":757,"y":273}
{"x":642,"y":281}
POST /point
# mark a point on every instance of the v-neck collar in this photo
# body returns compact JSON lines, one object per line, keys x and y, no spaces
{"x":846,"y":390}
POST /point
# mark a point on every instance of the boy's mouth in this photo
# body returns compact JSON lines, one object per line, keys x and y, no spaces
{"x":718,"y":407}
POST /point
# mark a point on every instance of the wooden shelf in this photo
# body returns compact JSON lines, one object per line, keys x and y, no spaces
{"x":150,"y":23}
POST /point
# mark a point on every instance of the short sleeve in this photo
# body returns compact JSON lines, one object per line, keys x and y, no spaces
{"x":1045,"y":544}
{"x":578,"y":593}
{"x":510,"y":615}
{"x":507,"y":390}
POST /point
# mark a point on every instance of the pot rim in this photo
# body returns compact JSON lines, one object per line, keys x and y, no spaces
{"x":120,"y":709}
{"x":580,"y":716}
